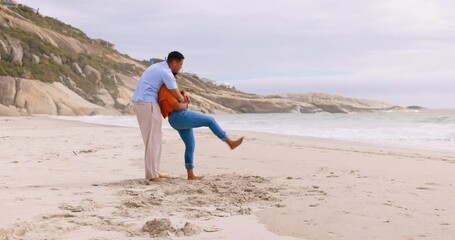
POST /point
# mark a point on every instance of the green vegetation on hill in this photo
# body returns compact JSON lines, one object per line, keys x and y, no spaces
{"x":192,"y":82}
{"x":49,"y":70}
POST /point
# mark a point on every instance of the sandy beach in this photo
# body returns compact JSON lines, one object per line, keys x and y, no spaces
{"x":71,"y":180}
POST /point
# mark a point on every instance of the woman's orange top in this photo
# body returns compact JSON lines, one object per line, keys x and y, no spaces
{"x":166,"y":100}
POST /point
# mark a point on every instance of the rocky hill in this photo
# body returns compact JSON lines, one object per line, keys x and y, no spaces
{"x":49,"y":67}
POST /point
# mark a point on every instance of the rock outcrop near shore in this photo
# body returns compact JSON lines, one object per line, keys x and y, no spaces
{"x":49,"y":67}
{"x":24,"y":96}
{"x":339,"y":104}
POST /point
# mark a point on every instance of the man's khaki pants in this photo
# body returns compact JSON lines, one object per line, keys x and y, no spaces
{"x":150,"y":120}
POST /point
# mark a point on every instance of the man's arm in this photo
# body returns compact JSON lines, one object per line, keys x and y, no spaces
{"x":171,"y":84}
{"x":177,"y":95}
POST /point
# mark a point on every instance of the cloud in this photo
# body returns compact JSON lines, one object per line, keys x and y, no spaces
{"x":379,"y":48}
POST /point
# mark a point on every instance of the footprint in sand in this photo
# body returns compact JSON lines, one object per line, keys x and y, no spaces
{"x":432,"y":184}
{"x":335,"y":235}
{"x":87,"y":151}
{"x":212,"y":229}
{"x":58,"y":216}
{"x":164,"y":228}
{"x":86,"y":205}
{"x":82,"y":193}
{"x":332,"y":175}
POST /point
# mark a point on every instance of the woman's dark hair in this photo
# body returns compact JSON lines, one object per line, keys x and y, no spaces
{"x":174,"y":56}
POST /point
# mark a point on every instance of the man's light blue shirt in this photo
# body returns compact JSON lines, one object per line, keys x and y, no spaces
{"x":151,"y":81}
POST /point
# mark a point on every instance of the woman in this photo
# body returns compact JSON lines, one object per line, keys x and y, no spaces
{"x":184,"y":120}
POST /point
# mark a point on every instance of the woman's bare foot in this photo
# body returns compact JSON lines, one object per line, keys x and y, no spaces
{"x":234,"y":143}
{"x":191,"y":175}
{"x":195,"y":177}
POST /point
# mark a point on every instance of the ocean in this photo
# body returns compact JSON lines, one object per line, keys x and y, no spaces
{"x":424,"y":129}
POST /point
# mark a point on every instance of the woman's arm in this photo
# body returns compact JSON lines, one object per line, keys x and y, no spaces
{"x":180,"y":106}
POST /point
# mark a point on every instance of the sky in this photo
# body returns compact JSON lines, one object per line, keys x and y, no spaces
{"x":397,"y":51}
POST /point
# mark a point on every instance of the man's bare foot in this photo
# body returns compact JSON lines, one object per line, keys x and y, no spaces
{"x":234,"y":143}
{"x":158,"y":179}
{"x":191,"y":175}
{"x":163,"y":176}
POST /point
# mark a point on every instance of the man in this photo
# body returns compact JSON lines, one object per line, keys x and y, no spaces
{"x":148,"y":112}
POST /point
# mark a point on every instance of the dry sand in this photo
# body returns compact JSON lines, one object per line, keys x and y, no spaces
{"x":70,"y":180}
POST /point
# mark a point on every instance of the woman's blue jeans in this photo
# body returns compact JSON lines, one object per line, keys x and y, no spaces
{"x":184,"y":121}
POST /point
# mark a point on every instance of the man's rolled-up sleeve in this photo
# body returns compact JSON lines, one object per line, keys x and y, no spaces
{"x":169,"y":80}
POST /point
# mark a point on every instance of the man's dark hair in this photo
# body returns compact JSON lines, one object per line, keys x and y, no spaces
{"x":174,"y":56}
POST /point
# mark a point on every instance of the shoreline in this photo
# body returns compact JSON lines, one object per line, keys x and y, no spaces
{"x":381,"y":144}
{"x":87,"y":178}
{"x":375,"y":143}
